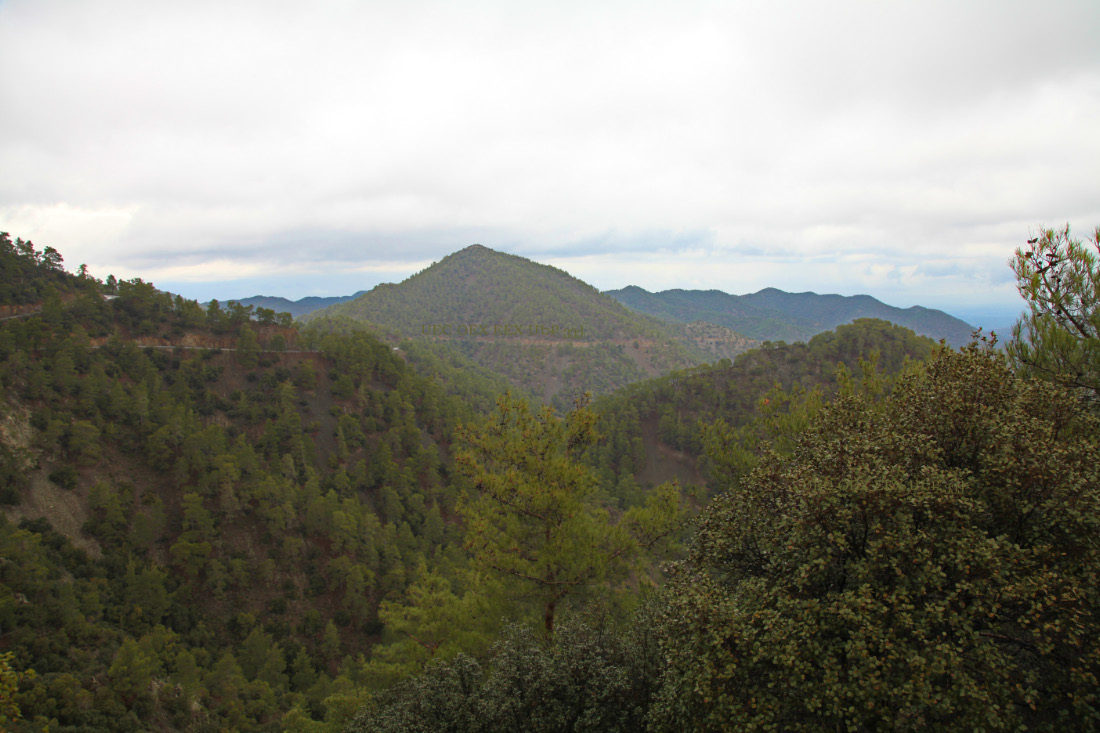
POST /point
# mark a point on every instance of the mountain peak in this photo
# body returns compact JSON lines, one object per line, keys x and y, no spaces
{"x":474,"y":248}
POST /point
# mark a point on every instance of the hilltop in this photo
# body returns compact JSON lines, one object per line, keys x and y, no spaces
{"x":480,"y":286}
{"x":546,"y":331}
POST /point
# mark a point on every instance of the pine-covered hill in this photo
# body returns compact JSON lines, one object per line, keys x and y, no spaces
{"x":210,"y":519}
{"x":653,"y":429}
{"x":295,"y":308}
{"x":29,"y":277}
{"x":545,"y":331}
{"x":201,"y":510}
{"x":480,"y":286}
{"x":775,"y":315}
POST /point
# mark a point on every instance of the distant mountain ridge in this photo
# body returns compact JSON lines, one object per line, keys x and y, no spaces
{"x":295,"y":308}
{"x":775,"y":315}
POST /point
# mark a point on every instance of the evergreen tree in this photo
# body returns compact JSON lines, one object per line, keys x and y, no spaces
{"x":1059,"y":338}
{"x":532,"y":518}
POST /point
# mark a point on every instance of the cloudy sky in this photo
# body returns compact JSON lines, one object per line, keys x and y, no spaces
{"x":225,"y":149}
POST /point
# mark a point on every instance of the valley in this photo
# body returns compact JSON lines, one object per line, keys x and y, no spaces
{"x":217,"y":517}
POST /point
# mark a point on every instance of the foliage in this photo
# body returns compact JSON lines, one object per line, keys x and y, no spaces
{"x":9,"y":683}
{"x":438,"y":619}
{"x":782,"y":416}
{"x":1059,"y":338}
{"x":924,"y":560}
{"x":243,"y":517}
{"x":533,"y":519}
{"x":744,"y":401}
{"x":588,"y":677}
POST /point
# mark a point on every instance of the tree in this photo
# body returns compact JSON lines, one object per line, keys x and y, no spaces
{"x":433,"y":622}
{"x":533,"y":518}
{"x":927,"y":560}
{"x":132,"y":669}
{"x":1059,"y":338}
{"x":248,"y":347}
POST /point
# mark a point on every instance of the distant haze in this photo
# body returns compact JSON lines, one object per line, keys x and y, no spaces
{"x":223,"y":149}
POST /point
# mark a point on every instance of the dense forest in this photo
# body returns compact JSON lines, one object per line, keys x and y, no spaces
{"x":214,"y":518}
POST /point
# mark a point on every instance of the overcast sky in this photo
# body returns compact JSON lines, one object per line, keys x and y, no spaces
{"x":225,"y":149}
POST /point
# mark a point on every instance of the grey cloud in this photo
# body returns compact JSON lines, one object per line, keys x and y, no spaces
{"x":361,"y":134}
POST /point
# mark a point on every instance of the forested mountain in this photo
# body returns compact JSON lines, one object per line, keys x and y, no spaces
{"x":203,"y":510}
{"x":545,"y":331}
{"x":655,"y":428}
{"x":216,"y":519}
{"x":296,"y":308}
{"x":775,"y":315}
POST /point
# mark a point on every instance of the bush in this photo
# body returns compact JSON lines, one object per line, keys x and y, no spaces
{"x":65,"y":477}
{"x":588,"y":678}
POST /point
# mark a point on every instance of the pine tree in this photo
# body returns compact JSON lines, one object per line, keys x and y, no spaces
{"x":1059,"y":338}
{"x":533,"y":518}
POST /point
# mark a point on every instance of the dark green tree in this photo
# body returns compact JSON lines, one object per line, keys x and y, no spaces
{"x":926,"y":560}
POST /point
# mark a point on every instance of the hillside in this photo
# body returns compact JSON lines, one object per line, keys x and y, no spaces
{"x":653,"y":428}
{"x":201,"y":512}
{"x":296,"y":308}
{"x":775,"y":315}
{"x":213,"y":519}
{"x":545,"y":331}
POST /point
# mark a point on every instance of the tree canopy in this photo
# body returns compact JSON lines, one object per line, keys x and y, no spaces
{"x":928,"y":558}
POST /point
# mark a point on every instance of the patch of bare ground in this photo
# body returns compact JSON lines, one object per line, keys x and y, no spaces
{"x":65,"y":510}
{"x":664,"y":463}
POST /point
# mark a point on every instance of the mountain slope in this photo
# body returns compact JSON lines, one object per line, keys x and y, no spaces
{"x":652,"y":428}
{"x":478,"y":286}
{"x":713,"y":306}
{"x":828,"y":311}
{"x":200,"y":514}
{"x":544,"y":330}
{"x":775,"y":315}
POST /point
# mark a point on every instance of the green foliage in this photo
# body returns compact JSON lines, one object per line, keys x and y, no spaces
{"x":9,"y":684}
{"x":248,"y":347}
{"x":533,"y":518}
{"x":205,"y":487}
{"x":134,"y":665}
{"x":782,"y":416}
{"x":927,"y":560}
{"x":587,"y":678}
{"x":14,"y":463}
{"x":745,"y":401}
{"x":438,"y":619}
{"x":28,"y":276}
{"x":1059,"y":338}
